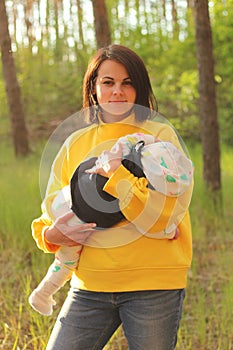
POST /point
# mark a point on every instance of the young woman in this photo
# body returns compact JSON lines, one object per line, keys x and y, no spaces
{"x":126,"y":274}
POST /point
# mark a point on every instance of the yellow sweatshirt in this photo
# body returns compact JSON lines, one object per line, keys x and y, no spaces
{"x":137,"y":253}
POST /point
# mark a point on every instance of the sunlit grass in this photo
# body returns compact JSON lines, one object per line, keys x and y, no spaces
{"x":208,"y":309}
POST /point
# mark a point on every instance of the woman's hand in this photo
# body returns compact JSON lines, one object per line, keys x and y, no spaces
{"x":177,"y":234}
{"x":61,"y":233}
{"x":107,"y":162}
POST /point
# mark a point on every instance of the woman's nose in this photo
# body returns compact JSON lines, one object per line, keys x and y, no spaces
{"x":117,"y":89}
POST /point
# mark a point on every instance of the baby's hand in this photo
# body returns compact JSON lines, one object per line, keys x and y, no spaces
{"x":107,"y":162}
{"x":177,"y":234}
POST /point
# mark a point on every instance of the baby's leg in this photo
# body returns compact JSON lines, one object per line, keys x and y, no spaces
{"x":66,"y":259}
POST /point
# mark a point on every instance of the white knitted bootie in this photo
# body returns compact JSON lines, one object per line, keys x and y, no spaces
{"x":41,"y":299}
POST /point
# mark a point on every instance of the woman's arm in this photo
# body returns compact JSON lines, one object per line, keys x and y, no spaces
{"x":49,"y":234}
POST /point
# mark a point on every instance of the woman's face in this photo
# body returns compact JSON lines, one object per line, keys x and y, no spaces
{"x":114,"y":91}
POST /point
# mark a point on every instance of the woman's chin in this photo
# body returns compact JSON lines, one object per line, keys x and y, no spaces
{"x":119,"y":110}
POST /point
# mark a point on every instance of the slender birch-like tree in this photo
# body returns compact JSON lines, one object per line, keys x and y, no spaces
{"x":17,"y":117}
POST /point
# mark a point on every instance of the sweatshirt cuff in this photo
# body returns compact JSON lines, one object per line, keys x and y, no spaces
{"x":121,"y":182}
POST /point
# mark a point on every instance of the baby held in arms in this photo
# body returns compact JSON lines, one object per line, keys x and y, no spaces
{"x":167,"y":170}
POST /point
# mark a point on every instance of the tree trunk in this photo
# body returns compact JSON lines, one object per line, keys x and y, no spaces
{"x":175,"y":21}
{"x":207,"y":98}
{"x":80,"y":21}
{"x":102,"y":28}
{"x":28,"y":15}
{"x":188,"y":4}
{"x":58,"y":46}
{"x":19,"y":130}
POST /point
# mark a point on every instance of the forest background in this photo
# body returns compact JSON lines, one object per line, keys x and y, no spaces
{"x":52,"y":41}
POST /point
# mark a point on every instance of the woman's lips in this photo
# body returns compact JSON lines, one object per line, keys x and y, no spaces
{"x":117,"y":101}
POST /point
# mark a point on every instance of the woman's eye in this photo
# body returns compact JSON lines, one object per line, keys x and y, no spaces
{"x":111,"y":83}
{"x":108,"y":82}
{"x":128,"y":82}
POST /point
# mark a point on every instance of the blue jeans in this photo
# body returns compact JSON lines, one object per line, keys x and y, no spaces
{"x":150,"y":319}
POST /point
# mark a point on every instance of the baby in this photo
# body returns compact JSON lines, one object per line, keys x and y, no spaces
{"x":167,"y":170}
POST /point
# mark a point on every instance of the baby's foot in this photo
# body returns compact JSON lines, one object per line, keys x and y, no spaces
{"x":42,"y":303}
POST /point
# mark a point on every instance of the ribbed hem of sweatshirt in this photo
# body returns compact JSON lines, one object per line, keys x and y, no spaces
{"x":130,"y":280}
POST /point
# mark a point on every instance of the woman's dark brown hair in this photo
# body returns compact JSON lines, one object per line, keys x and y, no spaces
{"x":137,"y":73}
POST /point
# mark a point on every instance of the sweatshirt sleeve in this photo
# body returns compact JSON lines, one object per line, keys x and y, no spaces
{"x":150,"y":211}
{"x":57,"y":180}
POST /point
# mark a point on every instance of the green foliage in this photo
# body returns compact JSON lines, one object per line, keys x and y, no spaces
{"x":2,"y":96}
{"x":222,"y":23}
{"x":50,"y":89}
{"x":51,"y":65}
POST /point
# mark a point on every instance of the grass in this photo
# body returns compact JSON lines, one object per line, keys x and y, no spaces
{"x":208,"y":309}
